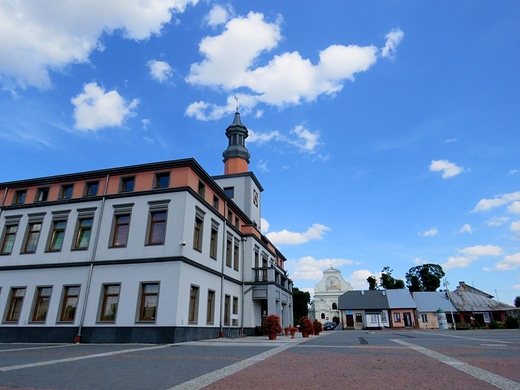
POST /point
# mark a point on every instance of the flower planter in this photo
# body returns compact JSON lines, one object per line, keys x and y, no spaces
{"x":272,"y":336}
{"x":305,"y":334}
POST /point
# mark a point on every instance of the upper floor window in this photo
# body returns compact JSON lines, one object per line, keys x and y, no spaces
{"x":162,"y":180}
{"x":157,"y":230}
{"x":109,"y":303}
{"x":91,"y":188}
{"x":8,"y":239}
{"x":127,"y":184}
{"x":197,"y":234}
{"x":69,"y":303}
{"x":334,"y":306}
{"x":19,"y":196}
{"x":57,"y":235}
{"x":149,"y":301}
{"x":83,"y":233}
{"x":33,"y":234}
{"x":15,"y":304}
{"x":236,"y":256}
{"x":41,"y":303}
{"x":237,"y":222}
{"x":213,"y":242}
{"x":216,"y":201}
{"x":121,"y":230}
{"x":201,"y":190}
{"x":229,"y":244}
{"x":230,"y":191}
{"x":66,"y":191}
{"x":42,"y":194}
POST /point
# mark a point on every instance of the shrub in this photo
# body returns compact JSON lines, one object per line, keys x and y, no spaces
{"x":307,"y":326}
{"x":317,"y":326}
{"x":511,"y":323}
{"x":271,"y":324}
{"x":495,"y":325}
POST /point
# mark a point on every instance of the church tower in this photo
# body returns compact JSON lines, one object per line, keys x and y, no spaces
{"x":236,"y":156}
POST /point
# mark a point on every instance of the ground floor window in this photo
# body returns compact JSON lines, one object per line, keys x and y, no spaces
{"x":424,"y":317}
{"x":109,"y":302}
{"x":149,"y":301}
{"x":15,"y":304}
{"x":69,"y":303}
{"x":41,"y":303}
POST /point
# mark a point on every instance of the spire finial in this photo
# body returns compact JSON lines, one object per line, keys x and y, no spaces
{"x":236,"y":98}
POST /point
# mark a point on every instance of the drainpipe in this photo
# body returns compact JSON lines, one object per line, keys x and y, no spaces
{"x":244,"y":239}
{"x":77,"y":338}
{"x":224,"y":236}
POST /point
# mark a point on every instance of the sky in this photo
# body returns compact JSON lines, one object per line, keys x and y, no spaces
{"x":384,"y":133}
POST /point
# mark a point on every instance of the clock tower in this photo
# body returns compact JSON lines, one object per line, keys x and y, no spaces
{"x":236,"y":156}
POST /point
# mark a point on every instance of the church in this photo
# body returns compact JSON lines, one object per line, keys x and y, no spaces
{"x":326,"y":294}
{"x":153,"y":253}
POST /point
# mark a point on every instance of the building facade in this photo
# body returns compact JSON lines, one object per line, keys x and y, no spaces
{"x":326,"y":294}
{"x":158,"y":253}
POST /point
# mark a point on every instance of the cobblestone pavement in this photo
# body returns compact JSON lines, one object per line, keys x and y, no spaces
{"x":388,"y":359}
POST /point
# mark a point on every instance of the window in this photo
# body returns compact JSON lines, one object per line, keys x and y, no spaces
{"x":41,"y":303}
{"x":109,"y":302}
{"x":83,"y":233}
{"x":19,"y":196}
{"x":33,"y":235}
{"x":57,"y":235}
{"x":42,"y":194}
{"x":149,"y":301}
{"x":8,"y":239}
{"x":424,"y":318}
{"x":127,"y":184}
{"x":91,"y":188}
{"x":235,"y":311}
{"x":397,"y":317}
{"x":213,"y":243}
{"x":229,"y":216}
{"x":210,"y":310}
{"x":257,"y":257}
{"x":201,"y":190}
{"x":215,"y":202}
{"x":15,"y":304}
{"x":66,"y":191}
{"x":237,"y":222}
{"x":230,"y":191}
{"x":334,"y":306}
{"x":197,"y":234}
{"x":69,"y":303}
{"x":121,"y":230}
{"x":162,"y":180}
{"x":194,"y":303}
{"x":229,"y":244}
{"x":227,"y":302}
{"x":322,"y":316}
{"x":157,"y":232}
{"x":236,"y":256}
{"x":359,"y":318}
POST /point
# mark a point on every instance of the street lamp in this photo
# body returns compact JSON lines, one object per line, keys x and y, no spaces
{"x":446,"y":285}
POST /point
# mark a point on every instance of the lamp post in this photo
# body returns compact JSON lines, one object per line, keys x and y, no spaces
{"x":446,"y":284}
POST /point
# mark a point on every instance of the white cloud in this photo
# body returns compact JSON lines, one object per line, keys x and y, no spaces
{"x":46,"y":36}
{"x":497,"y":221}
{"x":448,"y":169}
{"x":516,"y":286}
{"x":217,"y":15}
{"x":515,"y":226}
{"x":514,"y":208}
{"x":466,"y":228}
{"x":419,"y":261}
{"x":315,"y":232}
{"x":264,"y":226}
{"x":287,"y":79}
{"x":496,"y":201}
{"x":309,"y":268}
{"x":160,"y":70}
{"x":392,"y":40}
{"x":358,"y":279}
{"x":95,"y":109}
{"x":509,"y":262}
{"x":513,"y":171}
{"x":450,"y":140}
{"x":306,"y":140}
{"x":471,"y":254}
{"x":430,"y":233}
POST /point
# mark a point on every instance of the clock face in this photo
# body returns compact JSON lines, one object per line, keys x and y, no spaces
{"x":255,"y":198}
{"x":333,"y":283}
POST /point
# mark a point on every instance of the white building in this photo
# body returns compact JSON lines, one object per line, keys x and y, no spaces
{"x":326,"y":294}
{"x":159,"y":253}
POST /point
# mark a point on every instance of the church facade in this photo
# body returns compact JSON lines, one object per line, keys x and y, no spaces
{"x":326,"y":294}
{"x":159,"y":253}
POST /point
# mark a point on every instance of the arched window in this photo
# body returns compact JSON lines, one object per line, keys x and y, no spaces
{"x":322,"y":316}
{"x":334,"y":306}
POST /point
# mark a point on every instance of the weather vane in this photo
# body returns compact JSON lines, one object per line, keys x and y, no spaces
{"x":236,"y":98}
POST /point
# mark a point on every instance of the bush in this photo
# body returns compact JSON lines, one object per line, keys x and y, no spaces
{"x":495,"y":325}
{"x":271,"y":324}
{"x":511,"y":323}
{"x":307,"y":326}
{"x":317,"y":327}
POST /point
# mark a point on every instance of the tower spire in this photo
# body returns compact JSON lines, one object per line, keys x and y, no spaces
{"x":236,"y":156}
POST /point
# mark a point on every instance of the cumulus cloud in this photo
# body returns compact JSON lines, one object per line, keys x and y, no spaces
{"x":358,"y":279}
{"x":430,"y":233}
{"x":470,"y":254}
{"x":303,"y":139}
{"x":496,"y":201}
{"x":514,"y":208}
{"x":508,"y":262}
{"x":315,"y":232}
{"x":94,"y":108}
{"x":309,"y":268}
{"x":515,"y":226}
{"x":47,"y":36}
{"x":264,"y":226}
{"x":287,"y":79}
{"x":447,"y":168}
{"x":160,"y":71}
{"x":497,"y":221}
{"x":218,"y":15}
{"x":392,"y":40}
{"x":466,"y":228}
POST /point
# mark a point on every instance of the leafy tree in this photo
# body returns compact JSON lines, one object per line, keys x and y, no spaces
{"x":372,"y":282}
{"x":301,"y":300}
{"x":388,"y":282}
{"x":517,"y":302}
{"x":426,"y":277}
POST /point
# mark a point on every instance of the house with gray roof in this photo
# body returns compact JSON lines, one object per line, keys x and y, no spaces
{"x":430,"y":304}
{"x":364,"y":309}
{"x":402,"y":308}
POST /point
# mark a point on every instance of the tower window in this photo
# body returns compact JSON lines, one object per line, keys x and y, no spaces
{"x":230,"y":191}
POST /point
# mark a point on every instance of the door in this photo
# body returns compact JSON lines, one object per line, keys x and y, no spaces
{"x":407,"y":319}
{"x":350,"y":320}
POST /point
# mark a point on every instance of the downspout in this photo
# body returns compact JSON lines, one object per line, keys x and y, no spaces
{"x":224,"y":235}
{"x":77,"y":339}
{"x":244,"y":239}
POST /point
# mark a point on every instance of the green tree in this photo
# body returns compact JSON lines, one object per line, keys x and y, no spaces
{"x":301,"y":300}
{"x":426,"y":277}
{"x":388,"y":282}
{"x":372,"y":282}
{"x":517,"y":302}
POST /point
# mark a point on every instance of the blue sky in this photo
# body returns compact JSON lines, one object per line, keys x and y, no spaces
{"x":384,"y":134}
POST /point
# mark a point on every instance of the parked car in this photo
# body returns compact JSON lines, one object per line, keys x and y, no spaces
{"x":329,"y":326}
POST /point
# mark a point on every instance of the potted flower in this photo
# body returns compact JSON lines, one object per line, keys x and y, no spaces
{"x":293,"y":330}
{"x":306,"y":328}
{"x":317,"y":327}
{"x":286,"y":330}
{"x":271,"y":326}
